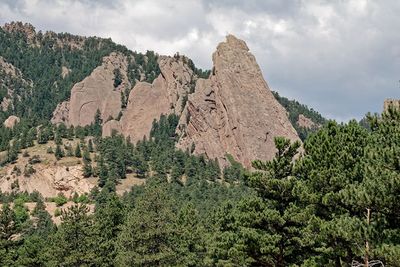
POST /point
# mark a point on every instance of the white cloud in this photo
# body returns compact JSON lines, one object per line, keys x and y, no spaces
{"x":340,"y":57}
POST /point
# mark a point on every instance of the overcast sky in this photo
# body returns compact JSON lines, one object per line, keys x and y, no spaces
{"x":340,"y":57}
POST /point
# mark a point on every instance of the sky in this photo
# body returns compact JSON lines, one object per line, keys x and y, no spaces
{"x":341,"y":58}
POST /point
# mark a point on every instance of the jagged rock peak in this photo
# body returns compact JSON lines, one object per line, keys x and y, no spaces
{"x":147,"y":101}
{"x":233,"y":111}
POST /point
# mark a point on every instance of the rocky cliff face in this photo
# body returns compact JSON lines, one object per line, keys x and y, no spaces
{"x":48,"y":181}
{"x":147,"y":102}
{"x":233,"y":112}
{"x":9,"y":77}
{"x":95,"y":92}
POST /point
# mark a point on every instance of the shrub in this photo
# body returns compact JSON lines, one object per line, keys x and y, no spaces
{"x":34,"y":159}
{"x":60,"y":199}
{"x":57,"y":213}
{"x":29,"y":170}
{"x":49,"y":150}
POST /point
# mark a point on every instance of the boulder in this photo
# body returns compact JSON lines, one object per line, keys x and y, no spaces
{"x":11,"y":121}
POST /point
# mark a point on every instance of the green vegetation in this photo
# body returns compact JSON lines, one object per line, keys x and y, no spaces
{"x":41,"y":87}
{"x":336,"y":203}
{"x":294,"y":109}
{"x":317,"y":209}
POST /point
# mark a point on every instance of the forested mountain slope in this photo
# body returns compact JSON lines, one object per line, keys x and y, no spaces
{"x":121,"y":199}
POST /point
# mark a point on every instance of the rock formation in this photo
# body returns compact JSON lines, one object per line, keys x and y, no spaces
{"x":61,"y":113}
{"x":305,"y":122}
{"x":110,"y":126}
{"x":9,"y":72}
{"x":25,"y":28}
{"x":11,"y":121}
{"x":9,"y":68}
{"x":147,"y":102}
{"x":95,"y":92}
{"x":233,"y":112}
{"x":65,"y":72}
{"x":49,"y":181}
{"x":395,"y":103}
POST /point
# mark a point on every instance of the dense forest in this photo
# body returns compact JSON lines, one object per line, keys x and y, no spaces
{"x":332,"y":203}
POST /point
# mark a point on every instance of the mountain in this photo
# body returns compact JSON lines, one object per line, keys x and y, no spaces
{"x":218,"y":112}
{"x":170,"y":189}
{"x":73,"y":80}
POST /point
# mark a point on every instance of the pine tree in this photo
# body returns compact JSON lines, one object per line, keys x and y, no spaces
{"x":140,"y":165}
{"x":12,"y":154}
{"x":72,"y":245}
{"x":109,"y":217}
{"x":269,"y":229}
{"x":86,"y":154}
{"x":87,"y":168}
{"x":78,"y":153}
{"x":58,"y":153}
{"x":90,"y":146}
{"x":58,"y":139}
{"x":8,"y":230}
{"x":103,"y":172}
{"x":333,"y":161}
{"x":147,"y":238}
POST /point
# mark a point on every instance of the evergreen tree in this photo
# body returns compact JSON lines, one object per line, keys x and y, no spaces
{"x":78,"y":153}
{"x":57,"y":139}
{"x":86,"y":155}
{"x":148,"y":236}
{"x":333,"y":161}
{"x":103,"y":172}
{"x":87,"y":168}
{"x":58,"y":153}
{"x":72,"y":243}
{"x":8,"y":230}
{"x":270,"y":229}
{"x":12,"y":154}
{"x":109,"y":217}
{"x":90,"y":146}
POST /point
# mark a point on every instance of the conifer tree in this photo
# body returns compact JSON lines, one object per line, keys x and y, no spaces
{"x":78,"y":153}
{"x":58,"y":153}
{"x":147,"y":237}
{"x":72,"y":244}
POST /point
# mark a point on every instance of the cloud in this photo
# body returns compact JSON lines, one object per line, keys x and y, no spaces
{"x":340,"y":57}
